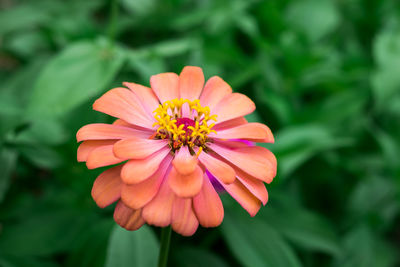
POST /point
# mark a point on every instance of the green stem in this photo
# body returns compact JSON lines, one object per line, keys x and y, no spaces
{"x":112,"y":24}
{"x":165,"y":240}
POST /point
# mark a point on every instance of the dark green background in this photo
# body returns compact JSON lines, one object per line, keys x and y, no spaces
{"x":325,"y":76}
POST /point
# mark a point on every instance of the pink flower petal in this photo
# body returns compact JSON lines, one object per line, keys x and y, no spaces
{"x":102,"y":131}
{"x":191,"y":81}
{"x":243,"y":196}
{"x":256,"y":132}
{"x":86,"y":147}
{"x":229,"y":124}
{"x":107,"y":187}
{"x":186,"y":185}
{"x":138,"y":170}
{"x":214,"y":91}
{"x":158,"y":211}
{"x":146,"y":96}
{"x":255,"y":186}
{"x":128,"y":218}
{"x":218,"y":168}
{"x":249,"y":160}
{"x":184,"y":221}
{"x":137,"y":195}
{"x":137,"y":148}
{"x":124,"y":104}
{"x":184,"y":162}
{"x":165,"y":86}
{"x":102,"y":156}
{"x":233,"y":106}
{"x":208,"y":206}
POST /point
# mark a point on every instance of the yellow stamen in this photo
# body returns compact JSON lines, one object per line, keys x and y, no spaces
{"x":167,"y":116}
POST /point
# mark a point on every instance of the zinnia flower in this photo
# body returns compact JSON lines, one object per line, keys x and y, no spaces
{"x":177,"y":141}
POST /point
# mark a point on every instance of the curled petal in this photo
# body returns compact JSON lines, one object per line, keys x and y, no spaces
{"x":107,"y":187}
{"x":138,"y":170}
{"x":184,"y":220}
{"x":87,"y":147}
{"x":102,"y":156}
{"x":218,"y":168}
{"x":137,"y":195}
{"x":249,"y":160}
{"x":158,"y":211}
{"x":208,"y":206}
{"x":244,"y":197}
{"x":184,"y":162}
{"x":186,"y":185}
{"x":255,"y":186}
{"x":128,"y":218}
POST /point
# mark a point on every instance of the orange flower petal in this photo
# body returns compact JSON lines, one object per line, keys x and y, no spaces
{"x":230,"y":123}
{"x":107,"y":187}
{"x":103,"y":131}
{"x":255,"y":186}
{"x":248,"y":160}
{"x":165,"y":86}
{"x":124,"y":104}
{"x":137,"y":148}
{"x":102,"y":156}
{"x":183,"y":162}
{"x":233,"y":106}
{"x":243,"y":196}
{"x":86,"y":147}
{"x":146,"y":96}
{"x":138,"y":195}
{"x":184,"y":221}
{"x":191,"y":81}
{"x":255,"y":131}
{"x":186,"y":185}
{"x":208,"y":206}
{"x":214,"y":91}
{"x":128,"y":218}
{"x":138,"y":170}
{"x":158,"y":211}
{"x":218,"y":168}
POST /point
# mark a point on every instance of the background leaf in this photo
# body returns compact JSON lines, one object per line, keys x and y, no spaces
{"x":139,"y":248}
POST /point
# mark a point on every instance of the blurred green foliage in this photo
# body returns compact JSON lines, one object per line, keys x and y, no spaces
{"x":324,"y":76}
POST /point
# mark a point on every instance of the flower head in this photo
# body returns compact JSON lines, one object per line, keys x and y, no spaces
{"x":176,"y":144}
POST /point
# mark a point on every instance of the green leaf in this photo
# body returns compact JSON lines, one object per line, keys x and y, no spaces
{"x":308,"y":230}
{"x":196,"y":257}
{"x":28,"y":16}
{"x":295,"y":145}
{"x":315,"y":18}
{"x":8,"y":160}
{"x":92,"y":245}
{"x":385,"y":80}
{"x":18,"y":261}
{"x":78,"y":73}
{"x":132,"y":248}
{"x":43,"y":234}
{"x":364,"y":248}
{"x":255,"y":243}
{"x":41,"y":156}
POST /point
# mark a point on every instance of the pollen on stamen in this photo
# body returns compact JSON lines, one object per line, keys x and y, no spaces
{"x":184,"y":127}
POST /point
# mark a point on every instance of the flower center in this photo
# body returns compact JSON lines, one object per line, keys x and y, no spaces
{"x":184,"y":122}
